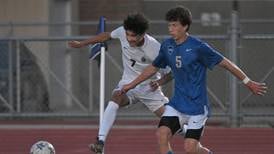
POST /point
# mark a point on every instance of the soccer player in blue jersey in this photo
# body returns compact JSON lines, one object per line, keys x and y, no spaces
{"x":189,"y":58}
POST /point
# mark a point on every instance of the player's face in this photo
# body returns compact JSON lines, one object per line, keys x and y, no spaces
{"x":133,"y":39}
{"x":177,"y":30}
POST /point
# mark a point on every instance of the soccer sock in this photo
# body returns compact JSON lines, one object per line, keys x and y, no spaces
{"x":108,"y":120}
{"x":169,"y":152}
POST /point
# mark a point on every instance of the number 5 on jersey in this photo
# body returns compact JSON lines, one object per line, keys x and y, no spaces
{"x":178,"y":61}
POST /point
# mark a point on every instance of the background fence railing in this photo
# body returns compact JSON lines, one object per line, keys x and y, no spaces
{"x":40,"y":76}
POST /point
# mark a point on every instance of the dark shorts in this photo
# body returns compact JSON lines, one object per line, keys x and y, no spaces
{"x":172,"y":122}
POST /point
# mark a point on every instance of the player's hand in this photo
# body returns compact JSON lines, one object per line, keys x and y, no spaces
{"x":126,"y":88}
{"x":257,"y":88}
{"x":154,"y":85}
{"x":75,"y":44}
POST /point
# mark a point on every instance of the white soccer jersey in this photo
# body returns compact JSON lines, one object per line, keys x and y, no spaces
{"x":136,"y":59}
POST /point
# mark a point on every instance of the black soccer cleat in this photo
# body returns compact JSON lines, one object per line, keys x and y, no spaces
{"x":97,"y":147}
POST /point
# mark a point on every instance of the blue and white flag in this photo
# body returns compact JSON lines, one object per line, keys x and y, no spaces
{"x":95,"y":49}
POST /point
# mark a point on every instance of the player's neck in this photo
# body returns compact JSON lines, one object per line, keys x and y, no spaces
{"x":182,"y":38}
{"x":141,"y":43}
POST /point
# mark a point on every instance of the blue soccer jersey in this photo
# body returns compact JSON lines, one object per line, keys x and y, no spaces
{"x":189,"y":62}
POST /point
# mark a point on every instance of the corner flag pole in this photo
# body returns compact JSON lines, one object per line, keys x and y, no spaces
{"x":95,"y":50}
{"x":102,"y":71}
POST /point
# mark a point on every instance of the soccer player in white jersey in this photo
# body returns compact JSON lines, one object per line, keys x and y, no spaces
{"x":138,"y":51}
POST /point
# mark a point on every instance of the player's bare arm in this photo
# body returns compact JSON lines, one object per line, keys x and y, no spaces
{"x":98,"y":38}
{"x":148,"y":72}
{"x":256,"y":87}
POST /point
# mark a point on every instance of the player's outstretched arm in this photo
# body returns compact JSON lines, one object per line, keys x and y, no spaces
{"x":256,"y":87}
{"x":102,"y":37}
{"x":148,"y":72}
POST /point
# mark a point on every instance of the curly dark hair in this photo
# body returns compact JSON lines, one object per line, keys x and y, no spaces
{"x":180,"y":13}
{"x":137,"y":23}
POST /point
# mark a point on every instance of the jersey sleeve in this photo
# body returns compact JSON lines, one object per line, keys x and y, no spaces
{"x":209,"y":56}
{"x":160,"y":59}
{"x":117,"y":33}
{"x":165,"y":70}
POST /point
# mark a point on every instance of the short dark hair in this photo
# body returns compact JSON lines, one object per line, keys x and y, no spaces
{"x":137,"y":23}
{"x":180,"y":13}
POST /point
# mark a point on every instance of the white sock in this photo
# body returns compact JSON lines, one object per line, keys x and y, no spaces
{"x":108,"y":120}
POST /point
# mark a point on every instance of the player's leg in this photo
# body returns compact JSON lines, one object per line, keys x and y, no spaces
{"x":168,"y":126}
{"x":159,"y":112}
{"x":193,"y":134}
{"x":164,"y":136}
{"x":192,"y":145}
{"x":203,"y":150}
{"x":109,"y":117}
{"x":182,"y":131}
{"x":110,"y":113}
{"x":155,"y":101}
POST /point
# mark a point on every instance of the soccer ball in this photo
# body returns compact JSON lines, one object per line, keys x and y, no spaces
{"x":42,"y":147}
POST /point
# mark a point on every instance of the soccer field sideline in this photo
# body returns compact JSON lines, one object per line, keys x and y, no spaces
{"x":134,"y":137}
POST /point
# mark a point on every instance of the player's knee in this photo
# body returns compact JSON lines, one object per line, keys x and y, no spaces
{"x":190,"y":149}
{"x":160,"y":111}
{"x":191,"y":146}
{"x":116,"y":99}
{"x":163,"y":133}
{"x":121,"y":100}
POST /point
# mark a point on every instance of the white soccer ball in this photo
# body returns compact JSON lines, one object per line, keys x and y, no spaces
{"x":42,"y":147}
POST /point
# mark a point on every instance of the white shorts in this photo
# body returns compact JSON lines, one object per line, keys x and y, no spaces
{"x":142,"y":93}
{"x":192,"y":121}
